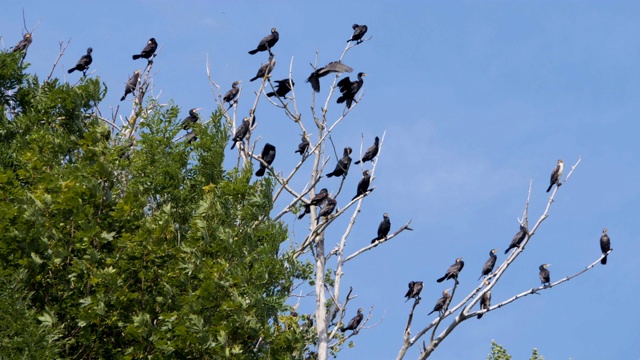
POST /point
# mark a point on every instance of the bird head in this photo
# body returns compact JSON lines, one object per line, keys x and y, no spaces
{"x":273,"y":30}
{"x":194,"y":111}
{"x":445,"y":292}
{"x":604,"y":231}
{"x":360,"y":310}
{"x":494,"y":251}
{"x":560,"y":161}
{"x":27,"y":36}
{"x":385,"y":215}
{"x":459,"y":259}
{"x":89,"y":50}
{"x":365,"y":173}
{"x":544,"y":266}
{"x":348,"y":150}
{"x":136,"y":72}
{"x":151,"y":41}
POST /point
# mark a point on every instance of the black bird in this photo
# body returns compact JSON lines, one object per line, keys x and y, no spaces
{"x":358,"y":33}
{"x":191,"y":119}
{"x":342,"y":167}
{"x":383,"y":228}
{"x":231,"y":95}
{"x":23,"y":44}
{"x":491,"y":262}
{"x":241,"y":132}
{"x":545,"y":277}
{"x":265,"y":69}
{"x":328,"y":207}
{"x":304,"y":145}
{"x":268,"y":155}
{"x":453,"y":271}
{"x":442,"y":303}
{"x":556,"y":175}
{"x":354,"y":322}
{"x":191,"y":137}
{"x":518,"y":238}
{"x":317,"y":200}
{"x":415,"y":288}
{"x":349,"y":89}
{"x":605,"y":245}
{"x":363,"y":185}
{"x":148,"y":50}
{"x":282,"y":88}
{"x":485,"y":302}
{"x":371,"y":152}
{"x":83,"y":63}
{"x":131,"y":84}
{"x":267,"y":42}
{"x":332,"y":67}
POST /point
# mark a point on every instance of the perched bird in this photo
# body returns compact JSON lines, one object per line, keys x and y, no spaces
{"x":23,"y":44}
{"x":191,"y":119}
{"x":328,"y":207}
{"x":265,"y":69}
{"x":605,"y":245}
{"x":191,"y":137}
{"x":453,"y":271}
{"x":363,"y":185}
{"x":83,"y":63}
{"x":545,"y":277}
{"x":491,"y":262}
{"x":332,"y":67}
{"x":317,"y":200}
{"x":241,"y":132}
{"x":383,"y":228}
{"x":358,"y":33}
{"x":518,"y":238}
{"x":442,"y":303}
{"x":349,"y":89}
{"x":371,"y":152}
{"x":415,"y":288}
{"x":354,"y":322}
{"x":282,"y":88}
{"x":268,"y":155}
{"x":131,"y":84}
{"x":231,"y":95}
{"x":556,"y":175}
{"x":148,"y":50}
{"x":304,"y":145}
{"x":342,"y":167}
{"x":267,"y":42}
{"x":485,"y":302}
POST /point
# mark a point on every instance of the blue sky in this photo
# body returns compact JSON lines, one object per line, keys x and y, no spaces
{"x":476,"y":98}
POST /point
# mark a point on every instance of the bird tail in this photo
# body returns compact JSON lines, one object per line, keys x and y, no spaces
{"x":442,"y":279}
{"x":260,"y":172}
{"x":233,"y":145}
{"x":329,"y":175}
{"x":604,"y":260}
{"x":341,"y":99}
{"x":357,"y":162}
{"x":480,"y":277}
{"x":122,"y":98}
{"x":71,"y":70}
{"x":432,"y":311}
{"x":480,"y":316}
{"x":343,"y":329}
{"x":349,"y":103}
{"x":254,"y":78}
{"x":253,"y":52}
{"x":270,"y":94}
{"x":374,"y":240}
{"x":136,"y":57}
{"x":549,"y":188}
{"x":506,"y":251}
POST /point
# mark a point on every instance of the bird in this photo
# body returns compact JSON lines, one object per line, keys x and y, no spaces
{"x":131,"y":84}
{"x":241,"y":132}
{"x":518,"y":238}
{"x":358,"y":33}
{"x":282,"y":88}
{"x":491,"y":262}
{"x":231,"y":95}
{"x":304,"y":145}
{"x":485,"y":302}
{"x":342,"y":167}
{"x":415,"y":288}
{"x":556,"y":175}
{"x":332,"y":67}
{"x":148,"y":50}
{"x":267,"y":42}
{"x":83,"y":63}
{"x":453,"y":271}
{"x":371,"y":152}
{"x":349,"y":89}
{"x":363,"y":185}
{"x":191,"y":119}
{"x":265,"y":69}
{"x":268,"y":155}
{"x":317,"y":200}
{"x":545,"y":277}
{"x":383,"y":228}
{"x":442,"y":303}
{"x":605,"y":245}
{"x":328,"y":207}
{"x":354,"y":322}
{"x":23,"y":44}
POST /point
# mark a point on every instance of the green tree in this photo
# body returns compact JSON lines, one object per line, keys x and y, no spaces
{"x":500,"y":353}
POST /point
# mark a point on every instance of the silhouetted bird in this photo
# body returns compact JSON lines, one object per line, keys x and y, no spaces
{"x":342,"y":167}
{"x":327,"y":209}
{"x":241,"y":132}
{"x":132,"y":84}
{"x":605,"y":245}
{"x":231,"y":95}
{"x":83,"y":63}
{"x":518,"y":238}
{"x":354,"y":322}
{"x":383,"y":228}
{"x":485,"y":302}
{"x":442,"y":303}
{"x":317,"y":200}
{"x":268,"y":155}
{"x":265,"y":69}
{"x":23,"y":44}
{"x":415,"y":288}
{"x":545,"y":276}
{"x":349,"y":89}
{"x":556,"y":175}
{"x":332,"y":67}
{"x":282,"y":88}
{"x":371,"y":152}
{"x":267,"y":42}
{"x":191,"y":119}
{"x":363,"y":185}
{"x":148,"y":50}
{"x":358,"y":32}
{"x":304,"y":145}
{"x":489,"y":264}
{"x":453,"y":271}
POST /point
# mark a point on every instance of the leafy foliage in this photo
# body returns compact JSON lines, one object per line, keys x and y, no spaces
{"x":500,"y":353}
